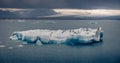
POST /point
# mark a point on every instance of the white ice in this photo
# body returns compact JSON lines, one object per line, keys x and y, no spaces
{"x":44,"y":36}
{"x":1,"y":46}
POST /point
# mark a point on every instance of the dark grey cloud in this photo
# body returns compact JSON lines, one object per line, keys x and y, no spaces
{"x":32,"y":3}
{"x":96,"y":4}
{"x":83,"y":4}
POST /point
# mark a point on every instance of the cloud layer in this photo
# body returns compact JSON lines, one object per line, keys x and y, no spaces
{"x":83,"y":4}
{"x":82,"y":12}
{"x":60,"y":13}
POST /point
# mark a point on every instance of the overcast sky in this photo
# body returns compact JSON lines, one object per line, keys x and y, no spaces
{"x":81,"y":4}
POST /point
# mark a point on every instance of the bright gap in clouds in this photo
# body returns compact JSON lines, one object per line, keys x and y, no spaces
{"x":93,"y":12}
{"x":75,"y":12}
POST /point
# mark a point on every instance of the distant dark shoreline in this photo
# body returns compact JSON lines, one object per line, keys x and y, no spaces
{"x":62,"y":18}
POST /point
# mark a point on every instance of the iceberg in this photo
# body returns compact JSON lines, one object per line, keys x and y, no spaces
{"x":45,"y":36}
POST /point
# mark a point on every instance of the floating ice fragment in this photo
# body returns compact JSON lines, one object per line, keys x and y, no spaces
{"x":50,"y":22}
{"x":81,"y":35}
{"x":1,"y":46}
{"x":21,"y":21}
{"x":20,"y":45}
{"x":38,"y":42}
{"x":10,"y":47}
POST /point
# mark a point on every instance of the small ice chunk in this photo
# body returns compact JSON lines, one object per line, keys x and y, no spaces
{"x":10,"y":47}
{"x":50,"y":22}
{"x":38,"y":42}
{"x":21,"y":21}
{"x":1,"y":46}
{"x":20,"y":45}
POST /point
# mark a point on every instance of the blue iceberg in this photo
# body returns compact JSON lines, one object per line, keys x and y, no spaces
{"x":45,"y":36}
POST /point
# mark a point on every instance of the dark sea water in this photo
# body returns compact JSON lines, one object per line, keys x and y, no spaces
{"x":107,"y":51}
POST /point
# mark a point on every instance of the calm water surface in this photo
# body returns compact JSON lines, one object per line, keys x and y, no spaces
{"x":107,"y":51}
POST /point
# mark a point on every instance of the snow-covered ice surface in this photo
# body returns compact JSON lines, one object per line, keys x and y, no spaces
{"x":72,"y":36}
